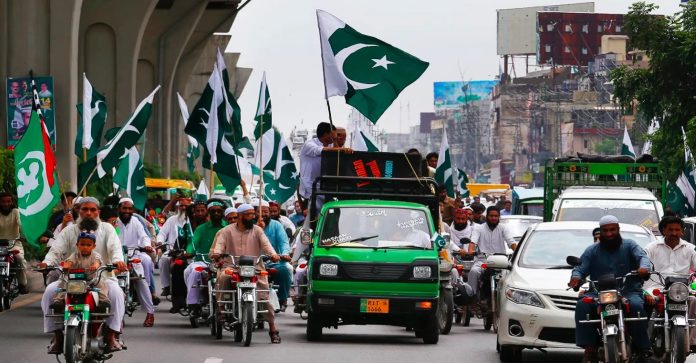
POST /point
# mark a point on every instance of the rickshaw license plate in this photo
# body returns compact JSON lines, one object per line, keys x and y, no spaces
{"x":379,"y":306}
{"x":677,"y":307}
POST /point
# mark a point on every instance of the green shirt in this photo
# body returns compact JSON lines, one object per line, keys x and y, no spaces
{"x":203,"y":238}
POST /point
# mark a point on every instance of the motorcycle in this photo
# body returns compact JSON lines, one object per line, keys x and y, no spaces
{"x":445,"y":306}
{"x":83,"y":316}
{"x":611,"y":308}
{"x":9,"y":287}
{"x":125,"y":280}
{"x":237,"y":309}
{"x":671,"y":323}
{"x":179,"y":261}
{"x":463,"y":294}
{"x":486,"y":305}
{"x":207,"y":299}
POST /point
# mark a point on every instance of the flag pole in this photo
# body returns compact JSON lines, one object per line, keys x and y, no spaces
{"x":84,"y":160}
{"x":212,"y":178}
{"x":260,"y":163}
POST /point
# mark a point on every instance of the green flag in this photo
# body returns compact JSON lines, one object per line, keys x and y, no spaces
{"x":37,"y":181}
{"x":443,"y":172}
{"x":92,"y":121}
{"x":367,"y":71}
{"x":192,"y":151}
{"x":281,"y":182}
{"x":360,"y":141}
{"x":263,"y":110}
{"x":627,"y":145}
{"x":110,"y":155}
{"x":130,"y":177}
{"x":463,"y":181}
{"x":232,"y":110}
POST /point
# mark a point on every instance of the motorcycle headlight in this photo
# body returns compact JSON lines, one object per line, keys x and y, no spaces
{"x":608,"y":297}
{"x":421,"y":272}
{"x":328,"y":269}
{"x":678,"y":292}
{"x":523,"y":297}
{"x":76,"y":287}
{"x":247,"y":271}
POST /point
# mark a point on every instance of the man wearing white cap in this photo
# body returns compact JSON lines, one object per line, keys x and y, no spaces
{"x":245,"y":238}
{"x":616,"y":256}
{"x":231,"y":215}
{"x":174,"y":233}
{"x":132,"y":235}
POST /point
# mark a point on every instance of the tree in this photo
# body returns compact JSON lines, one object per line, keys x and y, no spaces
{"x":665,"y":90}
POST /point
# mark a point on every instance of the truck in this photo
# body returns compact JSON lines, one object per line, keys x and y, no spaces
{"x":375,"y":251}
{"x":587,"y":187}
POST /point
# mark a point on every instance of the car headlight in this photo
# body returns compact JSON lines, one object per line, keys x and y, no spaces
{"x":524,"y":297}
{"x":328,"y":269}
{"x":247,"y":271}
{"x":76,"y":287}
{"x":678,"y":292}
{"x":421,"y":272}
{"x":608,"y":297}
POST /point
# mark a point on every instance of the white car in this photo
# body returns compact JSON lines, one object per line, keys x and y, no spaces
{"x":536,"y":309}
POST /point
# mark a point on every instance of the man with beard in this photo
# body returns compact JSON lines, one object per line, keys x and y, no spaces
{"x":200,"y":214}
{"x":616,"y":256}
{"x":132,"y":235}
{"x":175,"y":234}
{"x":285,"y":221}
{"x":10,"y":227}
{"x":200,"y":246}
{"x":446,"y":205}
{"x":109,"y":247}
{"x":339,"y":136}
{"x":245,"y":238}
{"x":490,"y":238}
{"x":279,"y":240}
{"x":461,"y":229}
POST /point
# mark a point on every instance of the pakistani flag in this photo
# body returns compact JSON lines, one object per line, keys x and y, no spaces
{"x":202,"y":192}
{"x":443,"y":172}
{"x":92,"y":121}
{"x":463,"y":181}
{"x":192,"y":151}
{"x":110,"y":155}
{"x":280,"y":182}
{"x":130,"y":177}
{"x":627,"y":146}
{"x":360,"y":141}
{"x":682,"y":194}
{"x":367,"y":71}
{"x":263,"y":110}
{"x":233,"y":113}
{"x":37,"y":181}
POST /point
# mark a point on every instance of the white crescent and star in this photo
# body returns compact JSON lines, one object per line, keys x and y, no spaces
{"x":382,"y":62}
{"x":341,"y":57}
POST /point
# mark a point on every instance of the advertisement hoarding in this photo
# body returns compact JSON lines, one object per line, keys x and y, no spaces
{"x":453,"y":95}
{"x":19,"y":101}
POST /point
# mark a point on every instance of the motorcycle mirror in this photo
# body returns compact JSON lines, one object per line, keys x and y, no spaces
{"x":573,"y":261}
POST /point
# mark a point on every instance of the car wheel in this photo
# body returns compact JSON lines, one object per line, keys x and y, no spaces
{"x":510,"y":353}
{"x":431,"y":330}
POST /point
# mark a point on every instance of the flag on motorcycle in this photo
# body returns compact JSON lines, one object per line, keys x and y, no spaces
{"x":463,"y":181}
{"x":264,"y":112}
{"x":627,"y":145}
{"x":110,"y":155}
{"x":362,"y":141}
{"x":130,"y":176}
{"x":36,"y":177}
{"x":192,"y":151}
{"x":92,"y":121}
{"x":367,"y":71}
{"x":281,"y":182}
{"x":443,"y":172}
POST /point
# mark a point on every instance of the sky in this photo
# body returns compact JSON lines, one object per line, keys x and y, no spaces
{"x":457,"y":38}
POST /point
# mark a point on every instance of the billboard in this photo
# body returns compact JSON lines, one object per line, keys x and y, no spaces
{"x":453,"y":95}
{"x":425,"y":119}
{"x":574,"y":39}
{"x":517,"y":27}
{"x":19,"y":101}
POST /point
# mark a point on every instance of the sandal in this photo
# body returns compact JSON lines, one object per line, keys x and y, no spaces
{"x":275,"y":337}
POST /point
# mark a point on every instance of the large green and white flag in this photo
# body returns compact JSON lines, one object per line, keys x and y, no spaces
{"x":92,"y":121}
{"x":686,"y":183}
{"x":360,"y":141}
{"x":281,"y":182}
{"x":443,"y":172}
{"x":264,"y":112}
{"x":463,"y":181}
{"x":192,"y":151}
{"x":202,"y":193}
{"x":37,"y":181}
{"x":367,"y":71}
{"x":627,"y":145}
{"x":130,"y":177}
{"x":232,"y":110}
{"x":110,"y":155}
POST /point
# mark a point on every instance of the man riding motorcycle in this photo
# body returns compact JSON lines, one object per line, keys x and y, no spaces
{"x":279,"y":240}
{"x":10,"y":229}
{"x":618,"y":256}
{"x":175,"y":228}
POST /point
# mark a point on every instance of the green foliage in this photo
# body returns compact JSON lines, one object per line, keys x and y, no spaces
{"x":607,"y":147}
{"x":665,"y":91}
{"x":152,"y":170}
{"x":7,"y":176}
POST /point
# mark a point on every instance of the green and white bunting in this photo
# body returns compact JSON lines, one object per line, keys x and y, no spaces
{"x":130,"y":177}
{"x":367,"y":71}
{"x":192,"y":151}
{"x":627,"y":145}
{"x":92,"y":121}
{"x":360,"y":141}
{"x":280,"y":182}
{"x":463,"y":181}
{"x":110,"y":155}
{"x":443,"y":172}
{"x":264,"y":112}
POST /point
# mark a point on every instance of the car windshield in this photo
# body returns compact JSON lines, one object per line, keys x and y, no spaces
{"x":376,"y":227}
{"x":546,"y":249}
{"x":533,"y":209}
{"x":517,"y":226}
{"x":638,"y":212}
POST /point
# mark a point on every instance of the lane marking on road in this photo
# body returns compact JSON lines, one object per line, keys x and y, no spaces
{"x":21,"y":302}
{"x":213,"y":360}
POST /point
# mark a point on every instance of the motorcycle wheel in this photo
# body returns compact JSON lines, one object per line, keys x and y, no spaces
{"x":6,"y":302}
{"x":72,"y":347}
{"x":213,"y":318}
{"x":314,"y":327}
{"x":247,"y":322}
{"x":467,"y":317}
{"x":496,"y":321}
{"x":445,"y":312}
{"x":611,"y":350}
{"x":458,"y":317}
{"x":488,"y":321}
{"x":194,"y":321}
{"x":678,"y":340}
{"x":2,"y":293}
